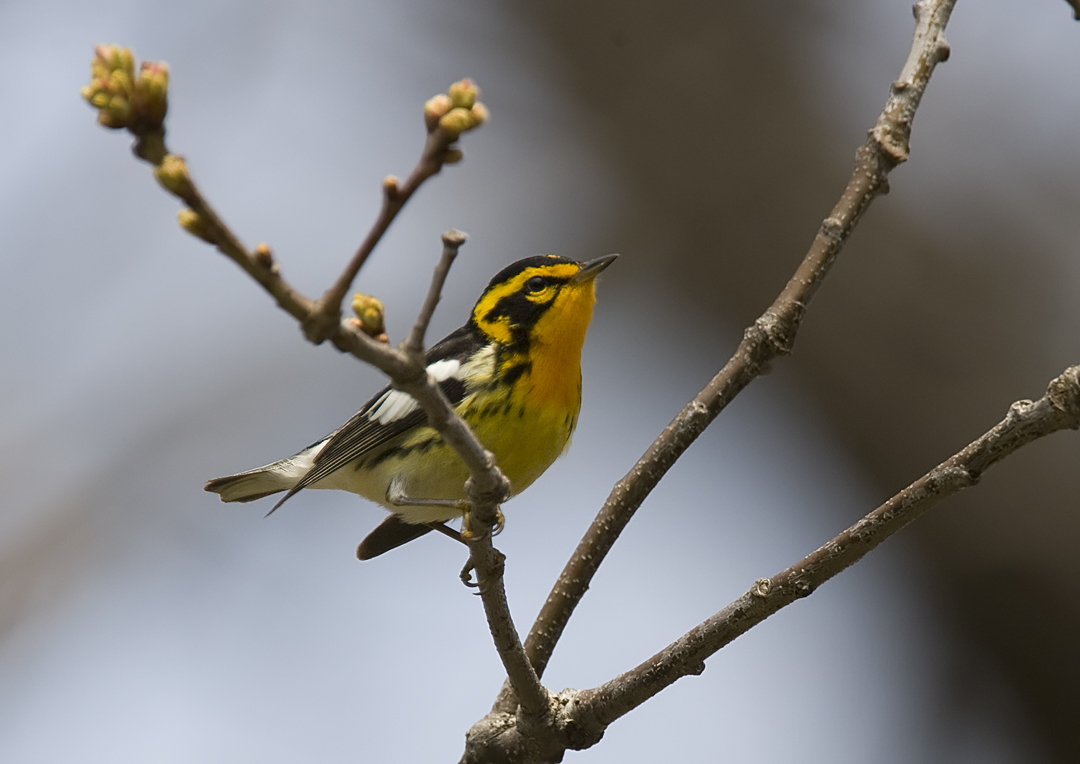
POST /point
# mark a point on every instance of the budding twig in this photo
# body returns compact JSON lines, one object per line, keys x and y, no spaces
{"x":447,"y":116}
{"x":139,"y":105}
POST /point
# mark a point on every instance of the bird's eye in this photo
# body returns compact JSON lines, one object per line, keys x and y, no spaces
{"x":536,"y":283}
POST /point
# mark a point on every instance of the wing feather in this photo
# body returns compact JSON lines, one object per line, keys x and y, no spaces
{"x":391,"y":412}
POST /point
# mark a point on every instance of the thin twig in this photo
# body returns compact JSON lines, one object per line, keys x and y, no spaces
{"x":262,"y":269}
{"x":452,"y":241}
{"x":260,"y":265}
{"x":771,"y":336}
{"x":319,"y":325}
{"x":581,"y":717}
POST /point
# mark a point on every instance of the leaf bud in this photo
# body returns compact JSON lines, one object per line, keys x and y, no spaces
{"x":369,"y":312}
{"x":464,"y":93}
{"x":173,"y":175}
{"x":480,"y":114}
{"x":191,"y":222}
{"x":457,"y":121}
{"x":435,"y":108}
{"x":150,"y":94}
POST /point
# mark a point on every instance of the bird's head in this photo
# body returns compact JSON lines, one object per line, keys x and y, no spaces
{"x":546,"y":299}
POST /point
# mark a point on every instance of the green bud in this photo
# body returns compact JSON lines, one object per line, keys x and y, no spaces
{"x":111,"y":85}
{"x":463,"y":93}
{"x":190,"y":221}
{"x":480,"y":114}
{"x":116,"y":111}
{"x":97,"y":98}
{"x":119,"y":82}
{"x":112,"y":58}
{"x":149,"y":94}
{"x":172,"y":174}
{"x":457,"y":121}
{"x":369,"y":314}
{"x":114,"y":120}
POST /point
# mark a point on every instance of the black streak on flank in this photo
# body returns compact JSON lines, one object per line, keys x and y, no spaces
{"x":387,"y":454}
{"x":514,"y":373}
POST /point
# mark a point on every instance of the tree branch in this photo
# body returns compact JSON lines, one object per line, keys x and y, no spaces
{"x":1025,"y":422}
{"x":534,"y":699}
{"x":201,"y":220}
{"x":772,"y":335}
{"x":581,"y":717}
{"x":325,"y":313}
{"x":447,"y":117}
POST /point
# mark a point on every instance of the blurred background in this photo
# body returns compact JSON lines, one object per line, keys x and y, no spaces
{"x":142,"y":620}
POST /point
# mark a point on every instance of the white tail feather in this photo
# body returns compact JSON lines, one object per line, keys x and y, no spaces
{"x":263,"y":481}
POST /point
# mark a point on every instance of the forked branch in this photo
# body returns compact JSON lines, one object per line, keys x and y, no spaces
{"x":771,"y":336}
{"x":1025,"y":422}
{"x":447,"y":117}
{"x":582,"y":716}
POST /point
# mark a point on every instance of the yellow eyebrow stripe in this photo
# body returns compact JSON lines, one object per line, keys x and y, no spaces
{"x":499,"y":329}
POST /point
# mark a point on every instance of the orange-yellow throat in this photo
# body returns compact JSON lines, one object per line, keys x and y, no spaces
{"x":554,"y":379}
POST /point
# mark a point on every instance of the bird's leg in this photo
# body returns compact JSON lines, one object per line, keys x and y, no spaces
{"x":467,"y":535}
{"x":396,"y":496}
{"x":446,"y":530}
{"x":466,"y":573}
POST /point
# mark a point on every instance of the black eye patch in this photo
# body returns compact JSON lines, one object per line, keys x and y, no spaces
{"x":536,"y":284}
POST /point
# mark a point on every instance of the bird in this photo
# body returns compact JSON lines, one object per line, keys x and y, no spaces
{"x":513,"y":373}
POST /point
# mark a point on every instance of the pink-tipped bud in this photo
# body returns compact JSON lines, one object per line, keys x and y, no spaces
{"x":112,"y":58}
{"x":122,"y":98}
{"x":150,"y":94}
{"x":111,"y":85}
{"x":435,"y":108}
{"x":464,"y":93}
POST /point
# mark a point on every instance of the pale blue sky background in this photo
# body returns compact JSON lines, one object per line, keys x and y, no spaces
{"x":143,"y":621}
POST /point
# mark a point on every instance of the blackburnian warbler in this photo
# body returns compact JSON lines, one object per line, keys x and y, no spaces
{"x":513,"y":373}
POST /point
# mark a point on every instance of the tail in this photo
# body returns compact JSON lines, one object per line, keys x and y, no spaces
{"x":390,"y":534}
{"x":264,"y":481}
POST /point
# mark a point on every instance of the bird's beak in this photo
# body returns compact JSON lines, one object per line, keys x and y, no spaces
{"x":591,"y":269}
